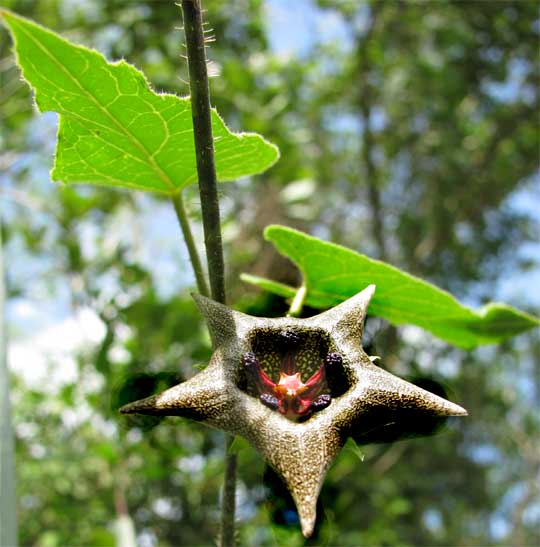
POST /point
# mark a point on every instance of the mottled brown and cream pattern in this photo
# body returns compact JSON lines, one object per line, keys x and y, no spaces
{"x":364,"y":396}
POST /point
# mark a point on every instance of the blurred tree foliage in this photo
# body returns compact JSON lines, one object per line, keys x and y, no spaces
{"x":411,"y":137}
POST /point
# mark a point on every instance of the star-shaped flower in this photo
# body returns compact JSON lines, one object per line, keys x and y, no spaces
{"x":296,"y":389}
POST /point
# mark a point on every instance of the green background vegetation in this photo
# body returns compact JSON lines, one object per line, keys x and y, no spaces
{"x":412,"y":138}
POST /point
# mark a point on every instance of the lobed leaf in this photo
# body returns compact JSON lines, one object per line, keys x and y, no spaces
{"x":114,"y":129}
{"x":333,"y":273}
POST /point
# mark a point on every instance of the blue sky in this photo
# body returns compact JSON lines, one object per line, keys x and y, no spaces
{"x":156,"y":239}
{"x":47,"y":332}
{"x":294,"y":26}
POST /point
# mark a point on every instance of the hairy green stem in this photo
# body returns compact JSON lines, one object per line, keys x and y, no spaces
{"x":181,"y":215}
{"x":204,"y":145}
{"x":206,"y":169}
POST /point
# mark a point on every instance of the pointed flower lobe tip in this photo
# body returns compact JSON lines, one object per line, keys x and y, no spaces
{"x":142,"y":406}
{"x":308,"y":525}
{"x":459,"y":410}
{"x":295,"y":368}
{"x":126,"y":409}
{"x":370,"y":290}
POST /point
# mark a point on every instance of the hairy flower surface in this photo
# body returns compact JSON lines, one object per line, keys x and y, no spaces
{"x":296,"y":389}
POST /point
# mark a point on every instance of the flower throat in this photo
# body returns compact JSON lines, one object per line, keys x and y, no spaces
{"x":292,"y":377}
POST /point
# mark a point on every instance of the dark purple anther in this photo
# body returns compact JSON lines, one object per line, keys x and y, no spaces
{"x":289,"y":339}
{"x":333,"y":359}
{"x":255,"y":373}
{"x":249,"y":360}
{"x":321,"y":402}
{"x":269,"y":400}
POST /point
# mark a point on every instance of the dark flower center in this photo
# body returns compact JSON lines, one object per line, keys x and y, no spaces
{"x":288,"y":371}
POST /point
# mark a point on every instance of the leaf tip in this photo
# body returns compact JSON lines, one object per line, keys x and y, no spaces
{"x":10,"y":17}
{"x":5,"y":16}
{"x":272,"y":229}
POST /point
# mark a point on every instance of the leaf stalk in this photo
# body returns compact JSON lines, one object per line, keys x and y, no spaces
{"x":297,"y":304}
{"x":181,"y":215}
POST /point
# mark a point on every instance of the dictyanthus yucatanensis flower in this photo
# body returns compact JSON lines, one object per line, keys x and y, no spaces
{"x":296,"y":389}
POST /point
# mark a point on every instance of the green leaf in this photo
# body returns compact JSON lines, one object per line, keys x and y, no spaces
{"x":333,"y":273}
{"x":114,"y":130}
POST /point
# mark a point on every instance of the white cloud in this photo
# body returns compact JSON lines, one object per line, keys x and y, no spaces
{"x":46,"y":360}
